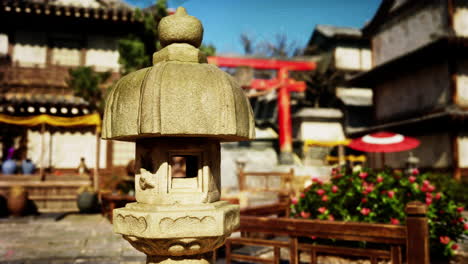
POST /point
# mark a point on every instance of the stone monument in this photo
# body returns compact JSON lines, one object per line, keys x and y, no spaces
{"x":177,"y":111}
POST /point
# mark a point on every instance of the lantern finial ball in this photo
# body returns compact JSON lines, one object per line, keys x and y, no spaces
{"x":180,"y":28}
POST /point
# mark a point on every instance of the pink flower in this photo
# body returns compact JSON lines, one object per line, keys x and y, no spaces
{"x":365,"y":211}
{"x":426,"y":183}
{"x":444,"y":239}
{"x":391,"y":194}
{"x":317,"y":180}
{"x":428,"y":200}
{"x":428,"y":195}
{"x":438,"y":196}
{"x":363,"y":175}
{"x":325,"y":198}
{"x":460,"y":209}
{"x":368,"y":187}
{"x":322,"y":210}
{"x":415,"y":171}
{"x":320,"y":192}
{"x":305,"y":214}
{"x":454,"y":246}
{"x":294,"y":200}
{"x":313,"y":237}
{"x":331,"y":218}
{"x":431,"y":188}
{"x":334,"y":188}
{"x":302,"y":195}
{"x":465,"y":226}
{"x":394,"y":221}
{"x":412,"y":179}
{"x":363,"y":200}
{"x":379,"y":179}
{"x":461,"y":220}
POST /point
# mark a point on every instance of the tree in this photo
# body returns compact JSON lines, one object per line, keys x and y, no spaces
{"x":86,"y":83}
{"x":280,"y":46}
{"x":136,"y":50}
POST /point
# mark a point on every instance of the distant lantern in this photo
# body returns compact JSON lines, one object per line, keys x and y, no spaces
{"x":177,"y":111}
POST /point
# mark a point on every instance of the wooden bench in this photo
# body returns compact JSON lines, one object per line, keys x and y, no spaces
{"x":414,"y":236}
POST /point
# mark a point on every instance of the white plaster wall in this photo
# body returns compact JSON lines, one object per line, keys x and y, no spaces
{"x":259,"y":159}
{"x":462,"y":142}
{"x":102,"y":53}
{"x":462,"y":83}
{"x":30,"y":49}
{"x":409,"y":33}
{"x":366,"y":59}
{"x":67,"y":149}
{"x":321,"y":131}
{"x":460,"y":21}
{"x":34,"y":148}
{"x":3,"y":44}
{"x":352,"y":58}
{"x":66,"y":56}
{"x":83,"y":3}
{"x":123,"y":152}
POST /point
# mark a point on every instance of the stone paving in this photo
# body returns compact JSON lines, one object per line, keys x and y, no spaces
{"x":73,"y":239}
{"x":82,"y":239}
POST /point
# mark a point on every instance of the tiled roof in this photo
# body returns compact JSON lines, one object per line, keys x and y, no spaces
{"x":333,"y":31}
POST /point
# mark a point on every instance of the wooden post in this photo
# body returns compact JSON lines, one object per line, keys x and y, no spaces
{"x":341,"y":155}
{"x":284,"y":119}
{"x":41,"y":159}
{"x":293,"y":248}
{"x":96,"y":165}
{"x":228,"y":251}
{"x":417,"y":240}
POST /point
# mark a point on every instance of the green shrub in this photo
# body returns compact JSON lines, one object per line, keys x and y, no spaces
{"x":365,"y":195}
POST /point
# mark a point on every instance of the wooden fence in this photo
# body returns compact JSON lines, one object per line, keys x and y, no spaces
{"x":414,"y":236}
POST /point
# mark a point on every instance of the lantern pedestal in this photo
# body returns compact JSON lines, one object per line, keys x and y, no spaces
{"x":177,"y":232}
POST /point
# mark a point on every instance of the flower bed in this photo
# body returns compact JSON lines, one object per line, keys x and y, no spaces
{"x":364,"y":195}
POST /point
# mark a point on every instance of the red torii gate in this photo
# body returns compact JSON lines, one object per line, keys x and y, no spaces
{"x":285,"y":86}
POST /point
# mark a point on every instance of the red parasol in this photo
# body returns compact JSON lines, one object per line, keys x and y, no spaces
{"x":384,"y":142}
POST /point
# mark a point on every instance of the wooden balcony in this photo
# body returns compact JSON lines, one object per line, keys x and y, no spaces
{"x":53,"y":76}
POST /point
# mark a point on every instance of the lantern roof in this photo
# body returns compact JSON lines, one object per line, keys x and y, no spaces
{"x":180,"y":95}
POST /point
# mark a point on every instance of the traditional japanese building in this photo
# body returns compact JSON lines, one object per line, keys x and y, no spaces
{"x":40,"y":40}
{"x":338,"y":109}
{"x":419,"y":78}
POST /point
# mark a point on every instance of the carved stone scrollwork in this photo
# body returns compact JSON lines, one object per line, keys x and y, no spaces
{"x":185,"y":224}
{"x":136,"y":225}
{"x":175,"y":247}
{"x":146,"y":180}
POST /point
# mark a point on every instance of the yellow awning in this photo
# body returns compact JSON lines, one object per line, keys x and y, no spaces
{"x":313,"y":142}
{"x":56,"y":121}
{"x":351,"y":158}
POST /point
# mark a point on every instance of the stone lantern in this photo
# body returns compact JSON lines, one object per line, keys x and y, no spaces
{"x":177,"y":111}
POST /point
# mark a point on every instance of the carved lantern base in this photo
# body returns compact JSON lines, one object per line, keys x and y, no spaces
{"x":178,"y":233}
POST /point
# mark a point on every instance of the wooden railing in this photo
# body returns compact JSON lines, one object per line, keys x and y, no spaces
{"x":414,"y":237}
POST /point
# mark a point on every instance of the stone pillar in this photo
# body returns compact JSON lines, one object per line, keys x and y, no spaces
{"x":178,"y":112}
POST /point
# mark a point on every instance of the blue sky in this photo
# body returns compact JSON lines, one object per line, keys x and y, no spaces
{"x":225,"y":20}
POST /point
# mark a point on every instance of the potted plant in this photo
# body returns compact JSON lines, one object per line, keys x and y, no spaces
{"x":87,"y":200}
